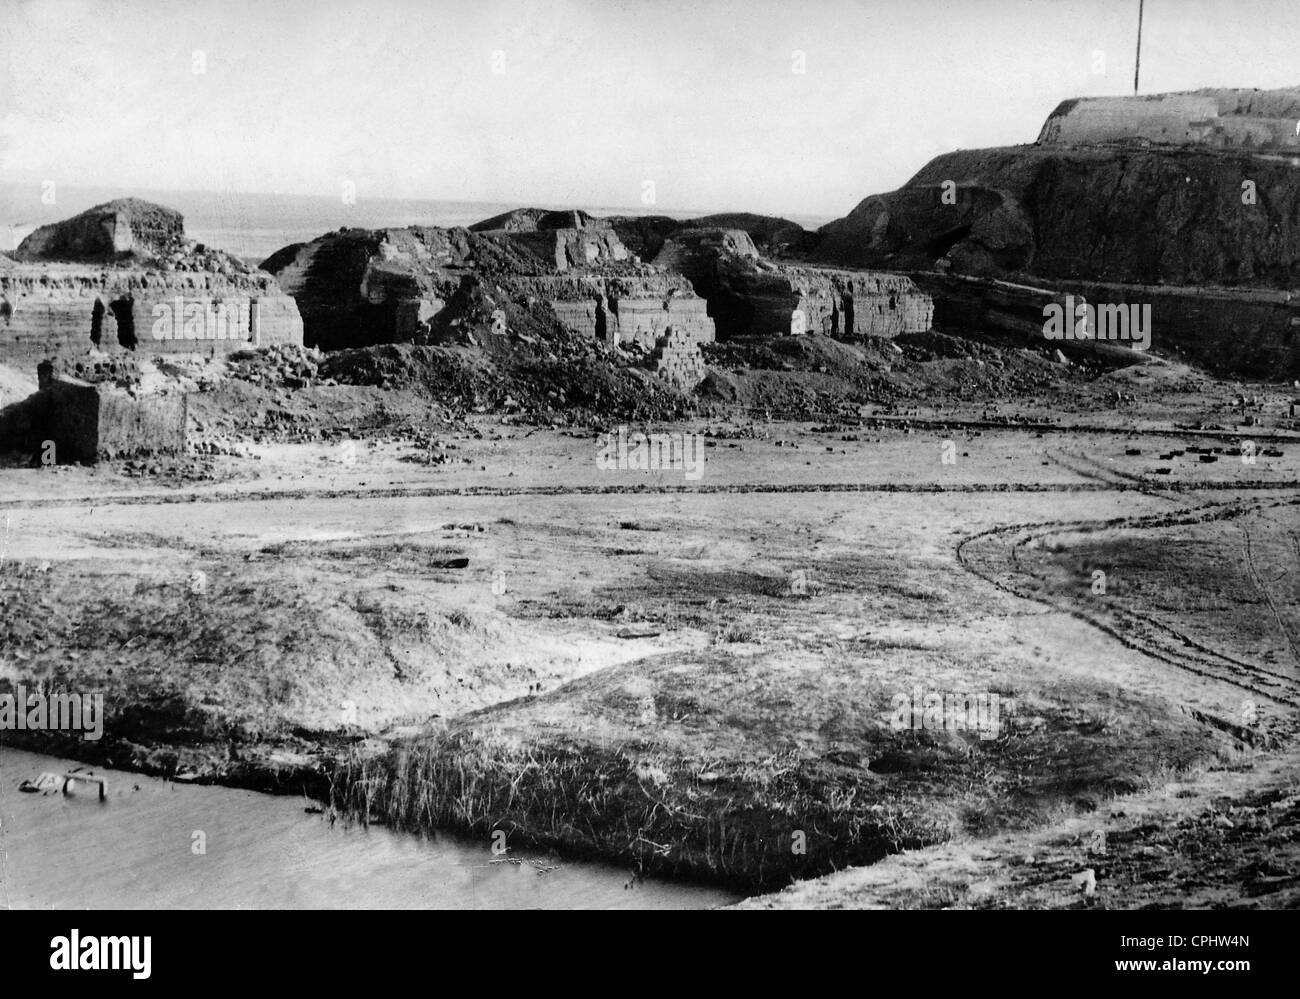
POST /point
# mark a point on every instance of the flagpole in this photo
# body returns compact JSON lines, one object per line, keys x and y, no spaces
{"x":1137,"y":66}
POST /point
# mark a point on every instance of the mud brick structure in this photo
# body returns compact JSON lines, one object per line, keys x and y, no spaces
{"x":1213,"y":119}
{"x":750,"y":296}
{"x":122,"y":277}
{"x":1187,"y":322}
{"x":677,"y":358}
{"x":51,"y":309}
{"x":94,"y":421}
{"x":126,"y":227}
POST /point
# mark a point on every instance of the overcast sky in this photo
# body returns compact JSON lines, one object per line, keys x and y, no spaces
{"x":582,"y":101}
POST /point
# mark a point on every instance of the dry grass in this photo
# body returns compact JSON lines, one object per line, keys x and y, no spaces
{"x":754,"y":825}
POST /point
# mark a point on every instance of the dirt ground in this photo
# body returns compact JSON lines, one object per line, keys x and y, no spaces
{"x":708,"y":674}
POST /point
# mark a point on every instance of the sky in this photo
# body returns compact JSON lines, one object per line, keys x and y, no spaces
{"x":778,"y":107}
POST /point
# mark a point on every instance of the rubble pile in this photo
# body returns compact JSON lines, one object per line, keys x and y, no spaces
{"x":286,"y":365}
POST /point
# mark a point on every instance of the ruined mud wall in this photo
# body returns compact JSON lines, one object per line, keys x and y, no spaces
{"x":1210,"y":119}
{"x":697,"y":253}
{"x":1162,"y":118}
{"x":621,"y":310}
{"x":643,"y":321}
{"x":360,"y":287}
{"x":750,"y":296}
{"x":95,"y":422}
{"x":772,"y":301}
{"x":843,"y":304}
{"x":677,"y":358}
{"x":1227,"y":331}
{"x":146,"y":424}
{"x":565,"y":249}
{"x":644,"y":235}
{"x":47,"y":310}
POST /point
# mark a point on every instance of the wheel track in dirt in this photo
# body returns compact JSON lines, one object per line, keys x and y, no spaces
{"x":1262,"y":588}
{"x":993,"y":555}
{"x":1134,"y":620}
{"x":1097,"y":472}
{"x":469,"y":492}
{"x":1026,"y":425}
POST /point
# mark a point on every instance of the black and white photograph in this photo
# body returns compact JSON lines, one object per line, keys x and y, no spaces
{"x":660,"y":455}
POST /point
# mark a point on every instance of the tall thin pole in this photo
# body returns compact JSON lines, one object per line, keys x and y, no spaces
{"x":1137,"y":66}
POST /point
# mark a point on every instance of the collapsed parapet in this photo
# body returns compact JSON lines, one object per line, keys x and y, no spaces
{"x":56,"y":309}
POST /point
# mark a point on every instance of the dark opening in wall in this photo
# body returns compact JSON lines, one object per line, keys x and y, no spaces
{"x":941,"y":244}
{"x":97,"y":323}
{"x":6,"y":310}
{"x":846,"y":303}
{"x":732,"y":314}
{"x":602,"y":323}
{"x":123,"y":312}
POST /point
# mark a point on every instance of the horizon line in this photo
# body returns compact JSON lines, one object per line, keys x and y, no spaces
{"x":515,"y":205}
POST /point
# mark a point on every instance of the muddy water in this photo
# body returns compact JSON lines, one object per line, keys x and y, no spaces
{"x":137,"y":849}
